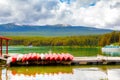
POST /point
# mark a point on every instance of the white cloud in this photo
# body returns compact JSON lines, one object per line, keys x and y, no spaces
{"x":93,"y":13}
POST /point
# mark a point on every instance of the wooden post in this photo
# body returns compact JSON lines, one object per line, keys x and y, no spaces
{"x":0,"y":47}
{"x":6,"y":47}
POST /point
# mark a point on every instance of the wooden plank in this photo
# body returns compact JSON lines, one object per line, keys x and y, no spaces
{"x":103,"y":60}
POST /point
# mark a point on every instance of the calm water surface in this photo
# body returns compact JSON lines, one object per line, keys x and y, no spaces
{"x":76,"y":51}
{"x":61,"y":73}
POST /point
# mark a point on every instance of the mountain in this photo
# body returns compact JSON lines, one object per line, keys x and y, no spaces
{"x":12,"y":29}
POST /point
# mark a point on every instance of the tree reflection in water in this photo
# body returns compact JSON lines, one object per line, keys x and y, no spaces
{"x":74,"y":74}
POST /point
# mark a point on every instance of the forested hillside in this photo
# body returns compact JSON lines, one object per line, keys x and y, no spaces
{"x":96,"y":40}
{"x":109,"y":38}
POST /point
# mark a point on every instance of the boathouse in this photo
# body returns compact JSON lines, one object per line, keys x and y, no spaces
{"x":1,"y":44}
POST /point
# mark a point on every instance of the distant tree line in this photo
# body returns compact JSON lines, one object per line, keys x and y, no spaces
{"x":92,"y":40}
{"x":110,"y":38}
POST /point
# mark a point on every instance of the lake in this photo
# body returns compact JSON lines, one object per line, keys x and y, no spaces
{"x":75,"y":51}
{"x":81,"y":72}
{"x":61,"y":73}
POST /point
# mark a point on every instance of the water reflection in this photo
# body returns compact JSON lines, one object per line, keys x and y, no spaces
{"x":114,"y":74}
{"x":3,"y":74}
{"x":89,"y":74}
{"x":72,"y":73}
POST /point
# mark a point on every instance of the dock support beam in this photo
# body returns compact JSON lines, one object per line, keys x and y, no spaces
{"x":7,"y":47}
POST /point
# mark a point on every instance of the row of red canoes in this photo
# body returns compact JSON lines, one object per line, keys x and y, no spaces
{"x":38,"y":57}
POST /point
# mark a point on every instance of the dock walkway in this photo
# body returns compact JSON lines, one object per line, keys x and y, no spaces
{"x":90,"y":60}
{"x":96,"y":60}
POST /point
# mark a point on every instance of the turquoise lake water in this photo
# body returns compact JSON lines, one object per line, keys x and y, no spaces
{"x":81,"y":72}
{"x":75,"y":51}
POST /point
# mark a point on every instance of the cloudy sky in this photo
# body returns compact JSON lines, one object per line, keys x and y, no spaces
{"x":91,"y":13}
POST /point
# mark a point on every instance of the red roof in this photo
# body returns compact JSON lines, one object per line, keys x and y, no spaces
{"x":5,"y":38}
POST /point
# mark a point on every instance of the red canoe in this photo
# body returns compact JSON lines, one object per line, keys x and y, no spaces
{"x":14,"y":58}
{"x":42,"y":56}
{"x":63,"y":57}
{"x":28,"y":57}
{"x":34,"y":56}
{"x":51,"y":57}
{"x":70,"y":57}
{"x":55,"y":57}
{"x":60,"y":57}
{"x":24,"y":58}
{"x":47,"y":57}
{"x":19,"y":57}
{"x":38,"y":56}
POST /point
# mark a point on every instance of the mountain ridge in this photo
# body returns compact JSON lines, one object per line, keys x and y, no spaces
{"x":49,"y":30}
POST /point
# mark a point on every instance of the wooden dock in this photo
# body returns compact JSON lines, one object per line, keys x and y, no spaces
{"x":100,"y":60}
{"x":96,"y":60}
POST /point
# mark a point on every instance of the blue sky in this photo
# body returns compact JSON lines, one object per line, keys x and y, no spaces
{"x":91,"y":13}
